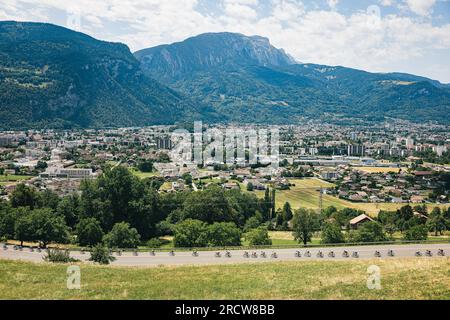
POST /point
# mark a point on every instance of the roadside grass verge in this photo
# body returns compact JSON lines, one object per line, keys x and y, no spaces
{"x":400,"y":279}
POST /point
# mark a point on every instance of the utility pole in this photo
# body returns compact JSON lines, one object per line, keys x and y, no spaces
{"x":321,"y":200}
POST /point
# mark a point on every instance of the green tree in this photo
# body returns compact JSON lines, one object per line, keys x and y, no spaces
{"x":332,"y":233}
{"x":273,"y":203}
{"x":369,"y":232}
{"x":287,"y":212}
{"x":303,"y":225}
{"x":89,"y":232}
{"x":8,"y":218}
{"x":405,"y":213}
{"x":222,"y":234}
{"x":24,"y":196}
{"x":436,"y":222}
{"x":250,"y":187}
{"x":187,"y":179}
{"x":49,"y":199}
{"x":258,"y":237}
{"x":49,"y":227}
{"x":23,"y":228}
{"x":145,"y":166}
{"x":69,"y":208}
{"x":419,"y":232}
{"x":252,"y":223}
{"x":210,"y":205}
{"x":123,"y":236}
{"x":190,"y":234}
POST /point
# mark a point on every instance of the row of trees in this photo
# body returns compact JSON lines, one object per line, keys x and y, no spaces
{"x":120,"y":210}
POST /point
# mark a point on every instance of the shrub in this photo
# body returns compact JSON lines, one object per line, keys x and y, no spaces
{"x":59,"y":256}
{"x":154,"y":243}
{"x":101,"y":254}
{"x":258,"y":237}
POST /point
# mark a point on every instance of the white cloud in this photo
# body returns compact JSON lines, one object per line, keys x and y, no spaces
{"x":333,"y":4}
{"x":387,"y":3}
{"x":317,"y":36}
{"x":421,"y":7}
{"x":286,"y":10}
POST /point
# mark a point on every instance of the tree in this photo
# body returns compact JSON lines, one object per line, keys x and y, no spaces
{"x":69,"y":208}
{"x":303,"y":224}
{"x":369,"y":232}
{"x":49,"y":199}
{"x":436,"y":222}
{"x":222,"y":234}
{"x":250,"y":187}
{"x":258,"y":237}
{"x":101,"y":255}
{"x":41,"y":165}
{"x":332,"y":233}
{"x":122,"y":236}
{"x":187,"y":178}
{"x":273,"y":203}
{"x":287,"y":212}
{"x":190,"y":234}
{"x":210,"y":205}
{"x":419,"y":232}
{"x":24,"y":196}
{"x":252,"y":223}
{"x":145,"y":166}
{"x":405,"y":213}
{"x":89,"y":232}
{"x":266,"y":205}
{"x":8,"y":218}
{"x":48,"y":227}
{"x":23,"y":228}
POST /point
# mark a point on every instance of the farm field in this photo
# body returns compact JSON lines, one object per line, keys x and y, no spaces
{"x":143,"y":175}
{"x":12,"y":179}
{"x":379,"y":169}
{"x":306,"y":194}
{"x":420,"y":279}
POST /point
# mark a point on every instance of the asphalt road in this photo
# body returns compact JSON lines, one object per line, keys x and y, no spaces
{"x":210,"y":258}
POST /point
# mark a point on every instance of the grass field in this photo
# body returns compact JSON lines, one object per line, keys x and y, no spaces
{"x":14,"y":178}
{"x":379,"y":169}
{"x":306,"y":194}
{"x":143,"y":175}
{"x":400,"y":279}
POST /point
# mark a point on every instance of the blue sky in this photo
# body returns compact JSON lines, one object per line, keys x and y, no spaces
{"x":379,"y":35}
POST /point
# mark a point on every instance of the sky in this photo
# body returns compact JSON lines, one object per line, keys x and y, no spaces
{"x":410,"y":36}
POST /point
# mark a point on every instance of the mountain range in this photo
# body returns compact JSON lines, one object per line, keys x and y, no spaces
{"x":54,"y":77}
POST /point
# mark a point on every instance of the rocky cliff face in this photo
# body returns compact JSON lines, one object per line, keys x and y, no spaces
{"x":211,"y":50}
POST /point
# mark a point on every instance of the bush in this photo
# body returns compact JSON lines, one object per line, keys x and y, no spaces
{"x":164,"y":228}
{"x":59,"y":256}
{"x":101,"y":254}
{"x":122,"y":236}
{"x":258,"y":237}
{"x":252,"y":223}
{"x":154,"y":243}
